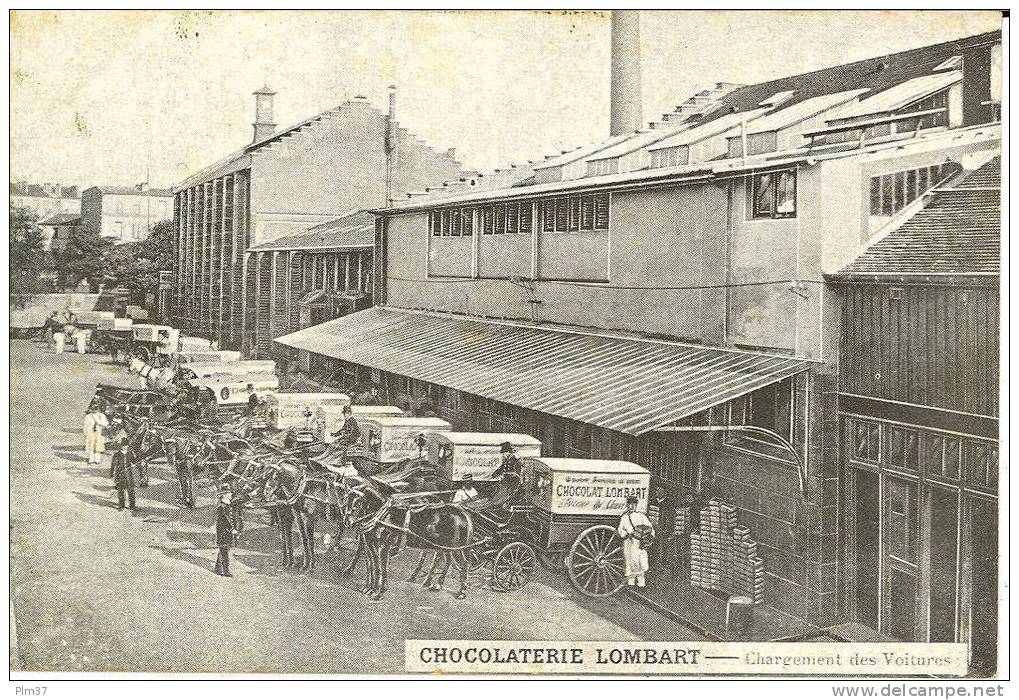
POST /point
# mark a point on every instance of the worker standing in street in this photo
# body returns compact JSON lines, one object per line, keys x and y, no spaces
{"x":637,"y":534}
{"x":93,"y":426}
{"x":81,"y":340}
{"x":122,"y":472}
{"x":228,"y":528}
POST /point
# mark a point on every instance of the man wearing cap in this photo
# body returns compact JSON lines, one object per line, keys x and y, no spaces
{"x":637,"y":533}
{"x":466,"y":492}
{"x":122,"y":472}
{"x":228,"y":527}
{"x":510,"y":462}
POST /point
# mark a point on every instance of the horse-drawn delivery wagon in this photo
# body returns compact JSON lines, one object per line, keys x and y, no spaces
{"x":329,"y":418}
{"x":113,"y":336}
{"x":295,"y":409}
{"x":478,"y":455}
{"x":199,"y":370}
{"x":154,"y":343}
{"x":563,"y":512}
{"x":388,"y":439}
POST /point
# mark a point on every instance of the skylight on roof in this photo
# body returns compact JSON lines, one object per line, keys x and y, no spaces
{"x":776,"y":99}
{"x":948,"y":64}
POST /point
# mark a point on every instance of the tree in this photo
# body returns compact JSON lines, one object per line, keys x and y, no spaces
{"x":29,"y":258}
{"x":83,"y":258}
{"x":159,"y":246}
{"x":136,"y":266}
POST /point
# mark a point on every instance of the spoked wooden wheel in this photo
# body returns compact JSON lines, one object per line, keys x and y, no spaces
{"x":595,"y":563}
{"x":513,"y":567}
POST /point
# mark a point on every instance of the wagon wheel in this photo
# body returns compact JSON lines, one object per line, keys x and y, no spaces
{"x":513,"y":567}
{"x":595,"y":563}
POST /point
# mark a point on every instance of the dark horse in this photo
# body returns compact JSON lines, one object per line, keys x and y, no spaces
{"x":423,"y":521}
{"x":277,"y":485}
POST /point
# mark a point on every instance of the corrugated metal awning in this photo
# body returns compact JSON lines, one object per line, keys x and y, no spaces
{"x":627,"y":384}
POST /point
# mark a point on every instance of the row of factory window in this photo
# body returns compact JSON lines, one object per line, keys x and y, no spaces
{"x":928,"y":113}
{"x":589,"y":212}
{"x":892,"y":192}
{"x":936,"y":455}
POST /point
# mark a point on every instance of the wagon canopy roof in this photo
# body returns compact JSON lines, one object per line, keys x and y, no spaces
{"x":495,"y":439}
{"x":587,"y":466}
{"x":412,"y":421}
{"x":628,"y":384}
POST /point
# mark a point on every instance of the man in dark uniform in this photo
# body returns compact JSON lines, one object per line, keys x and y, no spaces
{"x":350,"y":433}
{"x":252,"y":400}
{"x":122,"y":472}
{"x":228,"y":527}
{"x":511,"y":464}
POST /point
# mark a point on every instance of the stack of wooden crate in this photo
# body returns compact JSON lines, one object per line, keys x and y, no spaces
{"x":723,"y":556}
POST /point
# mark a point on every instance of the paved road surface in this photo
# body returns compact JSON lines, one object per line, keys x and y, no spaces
{"x":96,"y":589}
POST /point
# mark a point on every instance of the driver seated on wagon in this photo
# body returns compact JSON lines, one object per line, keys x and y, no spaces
{"x":509,"y":492}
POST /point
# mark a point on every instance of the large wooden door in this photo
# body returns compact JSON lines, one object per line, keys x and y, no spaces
{"x":901,"y":556}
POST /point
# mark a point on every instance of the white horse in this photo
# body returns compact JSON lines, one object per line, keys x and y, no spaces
{"x":152,"y":377}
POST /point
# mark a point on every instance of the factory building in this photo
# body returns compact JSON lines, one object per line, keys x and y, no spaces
{"x":282,"y":183}
{"x":661,"y":297}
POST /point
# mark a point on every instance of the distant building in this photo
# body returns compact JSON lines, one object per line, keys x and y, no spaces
{"x":46,"y":199}
{"x":126,"y":214}
{"x":58,"y":229}
{"x":330,"y":275}
{"x":345,"y":159}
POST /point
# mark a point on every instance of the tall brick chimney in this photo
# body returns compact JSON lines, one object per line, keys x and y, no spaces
{"x":264,"y":125}
{"x":625,"y":113}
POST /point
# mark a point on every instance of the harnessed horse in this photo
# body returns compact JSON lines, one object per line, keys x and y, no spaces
{"x":155,"y":377}
{"x":422,"y":520}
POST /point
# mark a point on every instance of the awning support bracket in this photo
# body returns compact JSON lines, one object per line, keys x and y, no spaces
{"x":801,"y":469}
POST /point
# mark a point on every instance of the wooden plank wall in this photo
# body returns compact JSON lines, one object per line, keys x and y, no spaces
{"x":937,"y":346}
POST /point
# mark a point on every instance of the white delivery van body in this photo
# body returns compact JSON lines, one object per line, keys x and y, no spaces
{"x":191,"y":356}
{"x":232,"y":389}
{"x":192,"y":370}
{"x":114,"y":324}
{"x":330,"y":418}
{"x":593,"y":487}
{"x":476,"y":454}
{"x":289,"y":409}
{"x":392,"y":438}
{"x":92,"y":318}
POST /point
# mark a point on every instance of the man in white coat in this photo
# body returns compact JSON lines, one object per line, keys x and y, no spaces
{"x":634,"y":527}
{"x":95,"y":443}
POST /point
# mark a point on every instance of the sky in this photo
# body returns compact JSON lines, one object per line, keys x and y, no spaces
{"x":115,"y":97}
